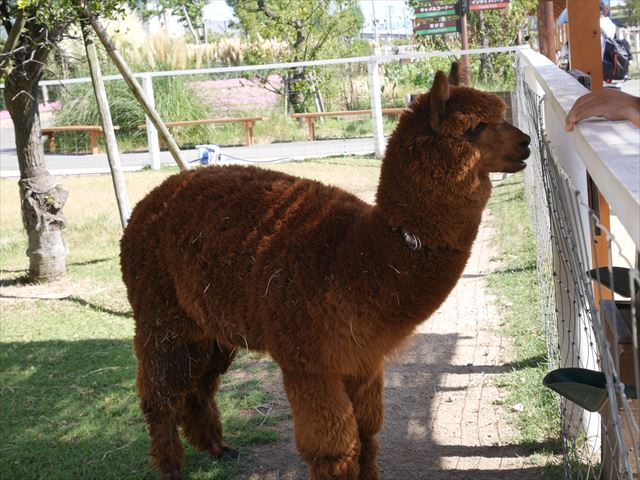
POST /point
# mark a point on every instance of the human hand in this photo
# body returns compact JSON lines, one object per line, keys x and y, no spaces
{"x":607,"y":103}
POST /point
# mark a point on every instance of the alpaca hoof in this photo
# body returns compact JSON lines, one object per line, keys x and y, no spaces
{"x":175,"y":475}
{"x":225,"y":452}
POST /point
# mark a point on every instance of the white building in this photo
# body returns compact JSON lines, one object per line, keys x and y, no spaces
{"x":386,"y":19}
{"x":217,"y":16}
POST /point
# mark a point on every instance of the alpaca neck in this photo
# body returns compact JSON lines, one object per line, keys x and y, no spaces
{"x":440,"y":215}
{"x":398,"y":288}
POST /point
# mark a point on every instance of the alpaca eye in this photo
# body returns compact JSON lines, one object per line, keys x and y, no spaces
{"x":477,"y":129}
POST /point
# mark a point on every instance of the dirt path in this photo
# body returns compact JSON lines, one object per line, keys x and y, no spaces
{"x":442,"y":420}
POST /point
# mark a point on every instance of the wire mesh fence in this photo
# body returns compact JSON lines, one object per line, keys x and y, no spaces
{"x":589,"y":301}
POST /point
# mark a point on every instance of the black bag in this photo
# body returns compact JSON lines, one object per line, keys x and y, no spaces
{"x":615,"y":60}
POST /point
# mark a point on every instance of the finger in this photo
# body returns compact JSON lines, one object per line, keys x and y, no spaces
{"x":568,"y":125}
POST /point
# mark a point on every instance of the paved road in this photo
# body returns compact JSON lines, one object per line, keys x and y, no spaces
{"x":96,"y":164}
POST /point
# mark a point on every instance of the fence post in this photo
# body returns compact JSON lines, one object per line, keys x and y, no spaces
{"x":376,"y":106}
{"x":152,"y":133}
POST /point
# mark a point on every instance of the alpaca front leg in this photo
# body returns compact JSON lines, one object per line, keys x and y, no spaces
{"x":166,"y":448}
{"x":366,"y":394}
{"x":325,"y":427}
{"x":159,"y":404}
{"x":165,"y":371}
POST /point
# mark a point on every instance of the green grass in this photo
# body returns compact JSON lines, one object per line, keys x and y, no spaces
{"x":67,"y":370}
{"x":516,"y":289}
{"x":68,"y":400}
{"x":67,"y":391}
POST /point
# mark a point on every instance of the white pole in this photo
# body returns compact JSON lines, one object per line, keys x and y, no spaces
{"x":376,"y":106}
{"x":152,"y":132}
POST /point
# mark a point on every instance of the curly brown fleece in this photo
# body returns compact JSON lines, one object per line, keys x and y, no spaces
{"x":221,"y":258}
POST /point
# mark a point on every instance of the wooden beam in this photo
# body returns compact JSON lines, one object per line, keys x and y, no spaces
{"x":135,"y":87}
{"x":464,"y":40}
{"x":584,"y":39}
{"x":585,"y":54}
{"x":113,"y":154}
{"x":542,"y":19}
{"x":550,"y":31}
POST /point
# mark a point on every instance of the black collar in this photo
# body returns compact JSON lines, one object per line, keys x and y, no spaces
{"x":412,"y":240}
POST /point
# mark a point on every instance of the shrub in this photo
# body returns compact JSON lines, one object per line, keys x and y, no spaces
{"x":175,"y":100}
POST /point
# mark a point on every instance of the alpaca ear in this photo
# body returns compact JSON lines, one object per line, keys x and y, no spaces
{"x":458,"y":74}
{"x":437,"y":100}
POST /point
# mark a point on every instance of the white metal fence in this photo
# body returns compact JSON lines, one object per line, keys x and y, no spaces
{"x":586,"y":326}
{"x":360,"y":83}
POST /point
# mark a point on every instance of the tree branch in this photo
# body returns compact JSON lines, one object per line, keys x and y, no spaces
{"x":12,"y":42}
{"x":188,"y":19}
{"x":266,"y":10}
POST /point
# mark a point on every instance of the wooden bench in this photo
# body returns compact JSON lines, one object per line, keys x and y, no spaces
{"x":310,"y":117}
{"x":93,"y":131}
{"x":248,"y":123}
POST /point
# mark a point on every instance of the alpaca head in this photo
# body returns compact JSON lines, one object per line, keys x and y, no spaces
{"x":466,"y":126}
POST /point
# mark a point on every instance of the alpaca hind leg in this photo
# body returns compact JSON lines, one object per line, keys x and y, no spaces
{"x":200,"y":417}
{"x":366,"y":395}
{"x":325,"y":427}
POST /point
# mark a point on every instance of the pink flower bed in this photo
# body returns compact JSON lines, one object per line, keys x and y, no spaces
{"x":237,"y":95}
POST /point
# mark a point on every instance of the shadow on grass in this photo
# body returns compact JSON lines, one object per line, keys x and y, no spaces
{"x":78,"y":300}
{"x":17,"y":281}
{"x":69,"y":410}
{"x":91,"y":262}
{"x":530,"y":362}
{"x":527,"y":268}
{"x":25,"y":280}
{"x":99,"y":308}
{"x":550,"y":445}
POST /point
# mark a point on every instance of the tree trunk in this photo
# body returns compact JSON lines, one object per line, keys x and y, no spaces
{"x":41,"y":196}
{"x":297,"y":82}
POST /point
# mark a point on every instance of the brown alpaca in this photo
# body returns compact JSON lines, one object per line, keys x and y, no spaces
{"x":222,"y":258}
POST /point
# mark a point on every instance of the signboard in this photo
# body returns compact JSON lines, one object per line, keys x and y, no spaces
{"x":425,"y":26}
{"x":426,"y":11}
{"x":488,"y":4}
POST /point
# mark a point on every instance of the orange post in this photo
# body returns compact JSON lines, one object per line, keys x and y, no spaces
{"x":585,"y":54}
{"x":550,"y":31}
{"x":584,"y":39}
{"x":542,"y":19}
